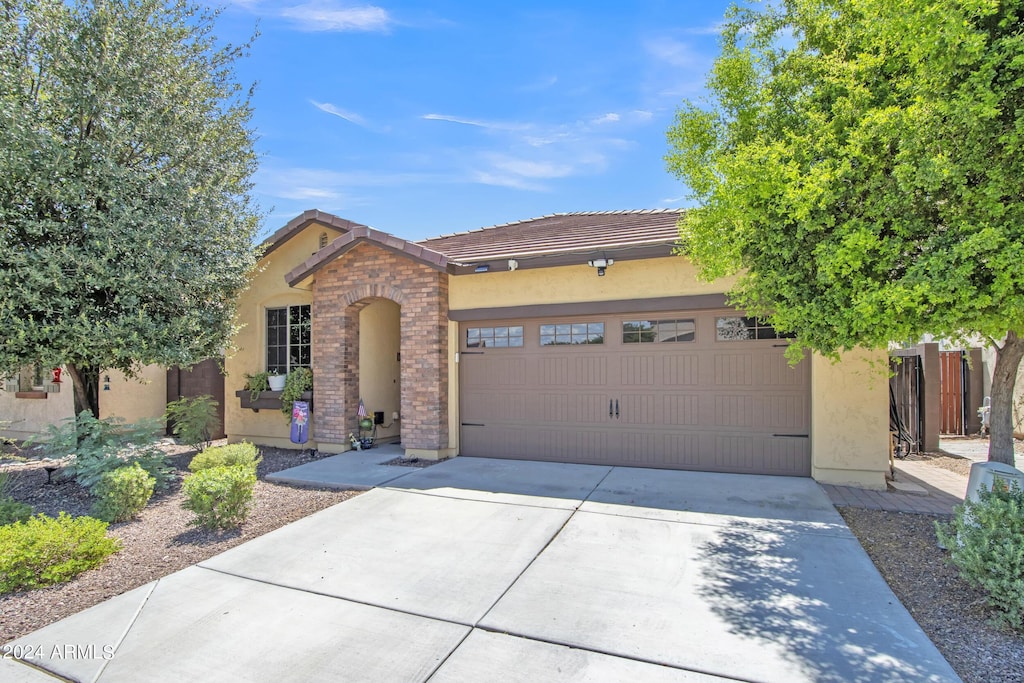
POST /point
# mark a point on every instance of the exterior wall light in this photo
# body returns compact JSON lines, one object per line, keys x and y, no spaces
{"x":600,"y":264}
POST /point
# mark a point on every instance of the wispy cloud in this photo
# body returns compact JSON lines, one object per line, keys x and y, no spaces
{"x":477,"y":123}
{"x":324,"y":15}
{"x":610,"y":117}
{"x":528,"y":168}
{"x":349,"y":116}
{"x":540,"y":84}
{"x":675,"y":53}
{"x":532,"y":156}
{"x":330,"y":16}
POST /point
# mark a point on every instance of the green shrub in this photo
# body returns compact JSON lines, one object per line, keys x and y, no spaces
{"x":220,"y":496}
{"x":225,"y":456}
{"x":122,"y":493}
{"x":193,"y":420}
{"x":42,"y":550}
{"x":12,"y":511}
{"x":986,"y":542}
{"x":100,"y":446}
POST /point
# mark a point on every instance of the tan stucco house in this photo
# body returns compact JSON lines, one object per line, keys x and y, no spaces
{"x":572,"y":337}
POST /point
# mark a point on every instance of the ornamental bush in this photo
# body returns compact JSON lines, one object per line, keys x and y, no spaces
{"x":986,"y":542}
{"x":226,"y":456}
{"x":220,"y":495}
{"x":45,"y":550}
{"x":122,"y":493}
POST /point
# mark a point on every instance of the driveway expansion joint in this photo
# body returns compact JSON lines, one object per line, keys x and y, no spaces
{"x":389,"y":608}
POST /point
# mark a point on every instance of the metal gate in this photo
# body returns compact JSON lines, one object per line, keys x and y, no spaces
{"x":905,"y":396}
{"x":951,"y":392}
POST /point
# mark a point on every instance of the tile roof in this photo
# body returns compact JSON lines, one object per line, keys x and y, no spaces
{"x":299,"y":223}
{"x":560,"y":233}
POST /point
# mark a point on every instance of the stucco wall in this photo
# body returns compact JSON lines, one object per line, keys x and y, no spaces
{"x":850,"y":419}
{"x":268,"y":289}
{"x":668,"y":276}
{"x":30,"y":416}
{"x":130,"y":399}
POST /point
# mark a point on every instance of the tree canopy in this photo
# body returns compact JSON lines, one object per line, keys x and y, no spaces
{"x":126,"y":156}
{"x":860,"y":163}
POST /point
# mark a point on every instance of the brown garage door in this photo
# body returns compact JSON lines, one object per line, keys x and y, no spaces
{"x":702,"y":390}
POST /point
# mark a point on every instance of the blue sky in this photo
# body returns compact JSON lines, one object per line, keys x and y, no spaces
{"x":423,"y":119}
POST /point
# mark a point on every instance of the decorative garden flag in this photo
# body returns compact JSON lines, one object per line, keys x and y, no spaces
{"x":300,"y":422}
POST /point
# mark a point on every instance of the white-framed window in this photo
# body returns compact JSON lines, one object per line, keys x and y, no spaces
{"x":289,"y":339}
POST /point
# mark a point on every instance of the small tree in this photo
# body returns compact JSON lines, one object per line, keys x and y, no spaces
{"x":862,"y":165}
{"x":126,"y":226}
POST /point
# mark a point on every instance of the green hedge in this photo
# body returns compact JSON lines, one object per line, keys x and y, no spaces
{"x":46,"y":550}
{"x":226,"y":456}
{"x":122,"y":493}
{"x":220,"y":496}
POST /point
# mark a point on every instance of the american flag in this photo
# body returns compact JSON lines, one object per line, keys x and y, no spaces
{"x":361,"y":413}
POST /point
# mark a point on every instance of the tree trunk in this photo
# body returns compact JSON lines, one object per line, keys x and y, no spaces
{"x":86,"y":384}
{"x":1008,"y":357}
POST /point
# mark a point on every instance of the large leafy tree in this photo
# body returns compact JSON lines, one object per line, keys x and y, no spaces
{"x":860,"y":163}
{"x":126,"y":153}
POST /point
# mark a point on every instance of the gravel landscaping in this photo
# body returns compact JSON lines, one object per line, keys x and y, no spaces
{"x":159,"y":542}
{"x":953,"y":614}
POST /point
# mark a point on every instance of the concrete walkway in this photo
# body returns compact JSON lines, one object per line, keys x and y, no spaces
{"x":477,"y":570}
{"x":920,"y":487}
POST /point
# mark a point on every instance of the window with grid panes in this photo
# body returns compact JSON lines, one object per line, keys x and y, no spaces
{"x":289,"y":339}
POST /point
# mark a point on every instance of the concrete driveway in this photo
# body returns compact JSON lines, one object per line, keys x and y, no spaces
{"x":477,"y":570}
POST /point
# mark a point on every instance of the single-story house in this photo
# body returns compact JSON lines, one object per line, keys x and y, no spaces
{"x":574,"y":337}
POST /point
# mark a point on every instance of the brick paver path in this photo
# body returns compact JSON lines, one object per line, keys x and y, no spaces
{"x":943,"y":490}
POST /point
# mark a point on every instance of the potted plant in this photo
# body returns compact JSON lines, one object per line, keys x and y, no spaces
{"x":298,"y":382}
{"x":277,"y":382}
{"x":255,"y":383}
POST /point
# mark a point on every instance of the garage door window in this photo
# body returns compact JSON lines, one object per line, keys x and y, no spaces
{"x":739,"y":328}
{"x":571,"y":333}
{"x":657,"y":331}
{"x":494,"y":337}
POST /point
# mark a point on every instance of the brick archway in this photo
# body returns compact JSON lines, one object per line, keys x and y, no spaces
{"x":340,"y":292}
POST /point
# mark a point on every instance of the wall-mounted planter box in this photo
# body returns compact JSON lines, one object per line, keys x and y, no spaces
{"x":42,"y":394}
{"x":268,"y":399}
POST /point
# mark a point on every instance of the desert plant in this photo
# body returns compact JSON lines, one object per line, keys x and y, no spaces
{"x":256,"y":383}
{"x":984,"y":539}
{"x":229,"y":455}
{"x":193,"y":420}
{"x":298,"y":381}
{"x":99,"y":446}
{"x":122,"y":493}
{"x":220,"y":496}
{"x":45,"y":550}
